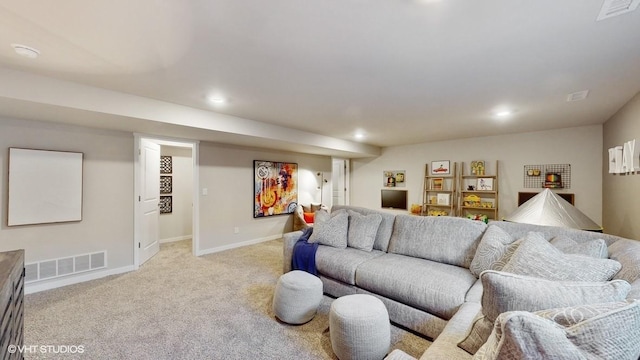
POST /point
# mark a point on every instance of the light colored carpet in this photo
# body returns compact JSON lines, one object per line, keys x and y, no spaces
{"x":177,"y":306}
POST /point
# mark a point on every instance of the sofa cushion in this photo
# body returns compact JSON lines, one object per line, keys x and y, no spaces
{"x":494,"y":250}
{"x":537,"y":257}
{"x":436,"y":288}
{"x":596,"y":248}
{"x":504,"y":292}
{"x":602,"y":331}
{"x":443,"y":239}
{"x":362,"y":230}
{"x":331,"y":229}
{"x":384,"y":230}
{"x":341,"y":264}
{"x":627,"y":252}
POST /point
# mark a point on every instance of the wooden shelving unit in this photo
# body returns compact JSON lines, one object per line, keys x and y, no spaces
{"x":440,"y":194}
{"x":481,"y":201}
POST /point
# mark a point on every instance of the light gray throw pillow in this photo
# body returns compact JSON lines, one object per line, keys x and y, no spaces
{"x":331,"y":229}
{"x":362,"y":230}
{"x":602,"y":331}
{"x":504,"y":292}
{"x":494,"y":250}
{"x":596,"y":248}
{"x":537,"y":257}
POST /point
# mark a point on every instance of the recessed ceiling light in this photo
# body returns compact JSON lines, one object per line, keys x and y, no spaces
{"x":26,"y":51}
{"x":359,"y":135}
{"x":217,"y":99}
{"x":503,"y":113}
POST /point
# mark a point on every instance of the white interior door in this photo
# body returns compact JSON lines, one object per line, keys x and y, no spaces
{"x":149,"y":199}
{"x":339,"y":182}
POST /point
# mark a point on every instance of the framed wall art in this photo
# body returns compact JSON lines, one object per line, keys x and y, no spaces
{"x":166,"y":204}
{"x":441,"y":167}
{"x":395,"y":178}
{"x":166,"y":184}
{"x":45,"y":186}
{"x":275,"y":189}
{"x":166,"y":164}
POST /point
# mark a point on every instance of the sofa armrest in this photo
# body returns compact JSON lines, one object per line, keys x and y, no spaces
{"x":445,"y":347}
{"x":289,"y":239}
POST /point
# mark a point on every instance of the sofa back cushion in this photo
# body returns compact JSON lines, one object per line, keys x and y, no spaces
{"x":518,"y":231}
{"x":444,"y":239}
{"x":384,"y":230}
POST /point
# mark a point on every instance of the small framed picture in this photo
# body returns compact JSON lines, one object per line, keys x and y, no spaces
{"x":437,"y":184}
{"x":440,"y":167}
{"x":485,"y":184}
{"x":443,"y":199}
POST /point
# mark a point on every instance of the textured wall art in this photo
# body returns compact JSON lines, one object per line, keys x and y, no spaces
{"x":275,"y":190}
{"x":166,"y":164}
{"x":166,"y":184}
{"x":166,"y":206}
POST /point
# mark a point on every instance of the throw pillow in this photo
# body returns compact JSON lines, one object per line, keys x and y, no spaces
{"x":596,"y":248}
{"x":494,"y":250}
{"x":504,"y":292}
{"x":331,"y":231}
{"x":537,"y":257}
{"x":308,"y":217}
{"x":602,"y":331}
{"x":362,"y":230}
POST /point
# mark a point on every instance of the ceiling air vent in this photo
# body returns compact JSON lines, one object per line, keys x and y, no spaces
{"x":611,"y":8}
{"x":577,"y":96}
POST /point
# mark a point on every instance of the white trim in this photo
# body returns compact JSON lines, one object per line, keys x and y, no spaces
{"x":238,"y":245}
{"x":174,"y":239}
{"x":35,"y":287}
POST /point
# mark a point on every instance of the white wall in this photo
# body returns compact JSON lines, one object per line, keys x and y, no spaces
{"x":178,"y":225}
{"x":227,"y":173}
{"x":107,"y":211}
{"x":621,"y":209}
{"x":581,"y":147}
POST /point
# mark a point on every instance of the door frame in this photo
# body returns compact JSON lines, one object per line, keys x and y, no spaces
{"x":346,"y":179}
{"x":137,"y":178}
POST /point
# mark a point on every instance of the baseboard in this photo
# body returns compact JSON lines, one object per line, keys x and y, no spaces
{"x":48,"y":285}
{"x":237,"y":245}
{"x":177,"y":238}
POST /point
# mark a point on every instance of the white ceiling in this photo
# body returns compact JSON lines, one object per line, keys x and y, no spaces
{"x":402,"y":71}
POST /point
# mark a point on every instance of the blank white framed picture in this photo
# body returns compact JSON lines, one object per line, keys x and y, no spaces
{"x":45,"y":186}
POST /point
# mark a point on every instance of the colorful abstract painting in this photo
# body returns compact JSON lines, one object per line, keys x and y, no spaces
{"x":275,"y":188}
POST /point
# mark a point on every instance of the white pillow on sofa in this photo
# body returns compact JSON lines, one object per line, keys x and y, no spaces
{"x":362,"y":230}
{"x":602,"y":331}
{"x":504,"y":292}
{"x":330,"y":229}
{"x":537,"y":257}
{"x":494,"y":250}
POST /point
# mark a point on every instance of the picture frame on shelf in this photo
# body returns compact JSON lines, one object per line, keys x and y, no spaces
{"x":444,"y":199}
{"x":441,"y":167}
{"x":437,"y":184}
{"x":484,"y":184}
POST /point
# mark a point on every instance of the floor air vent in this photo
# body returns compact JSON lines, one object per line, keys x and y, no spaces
{"x":53,"y":268}
{"x":611,"y":8}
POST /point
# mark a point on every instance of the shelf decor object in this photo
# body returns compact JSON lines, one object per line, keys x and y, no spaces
{"x":440,"y":189}
{"x":441,"y":167}
{"x":553,"y":176}
{"x":479,"y":191}
{"x":275,"y":190}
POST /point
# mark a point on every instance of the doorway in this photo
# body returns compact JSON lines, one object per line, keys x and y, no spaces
{"x":149,"y":231}
{"x":340,"y":181}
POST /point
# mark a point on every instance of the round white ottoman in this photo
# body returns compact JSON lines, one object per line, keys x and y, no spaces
{"x":359,"y":328}
{"x":297,"y":297}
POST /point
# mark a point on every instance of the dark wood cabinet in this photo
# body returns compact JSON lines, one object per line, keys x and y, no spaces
{"x":12,"y":303}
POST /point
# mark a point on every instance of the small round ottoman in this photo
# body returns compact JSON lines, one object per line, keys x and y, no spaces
{"x":359,"y":328}
{"x":297,"y":297}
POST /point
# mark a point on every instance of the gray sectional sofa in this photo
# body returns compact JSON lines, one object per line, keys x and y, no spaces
{"x":430,"y":271}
